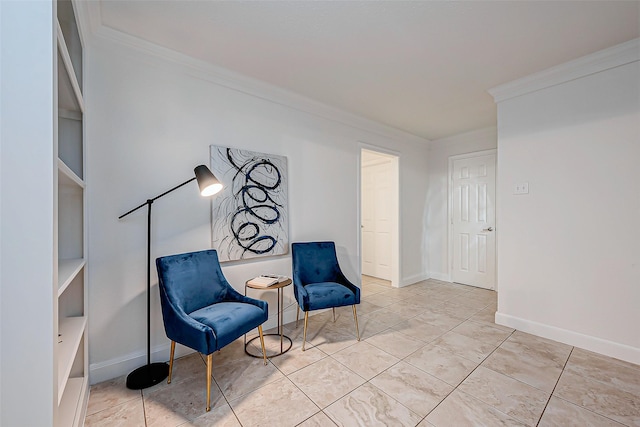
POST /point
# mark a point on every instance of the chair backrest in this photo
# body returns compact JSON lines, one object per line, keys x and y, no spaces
{"x":314,"y":262}
{"x":192,"y":280}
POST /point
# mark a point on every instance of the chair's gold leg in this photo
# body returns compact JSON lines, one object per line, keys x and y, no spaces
{"x":334,"y":315}
{"x":209,"y":369}
{"x":264,"y":352}
{"x":297,"y":315}
{"x":304,"y":334}
{"x":173,"y":350}
{"x":355,"y":317}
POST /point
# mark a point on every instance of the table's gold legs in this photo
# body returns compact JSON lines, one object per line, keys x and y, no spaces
{"x":264,"y":352}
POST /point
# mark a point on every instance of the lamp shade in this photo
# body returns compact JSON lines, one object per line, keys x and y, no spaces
{"x":208,"y":183}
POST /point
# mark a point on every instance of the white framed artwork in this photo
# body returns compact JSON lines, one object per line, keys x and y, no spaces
{"x":250,"y":215}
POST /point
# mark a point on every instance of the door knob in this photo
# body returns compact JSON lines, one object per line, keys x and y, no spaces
{"x":488,"y":229}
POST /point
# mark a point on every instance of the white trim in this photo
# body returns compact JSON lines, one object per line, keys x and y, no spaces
{"x":414,"y":279}
{"x":440,"y":276}
{"x":396,"y":254}
{"x":123,"y":365}
{"x":68,"y":65}
{"x":80,"y":12}
{"x":223,"y":77}
{"x":588,"y":342}
{"x":594,"y":63}
{"x":472,"y":155}
{"x":462,"y":139}
{"x":109,"y":369}
{"x":381,"y":150}
{"x":493,"y":151}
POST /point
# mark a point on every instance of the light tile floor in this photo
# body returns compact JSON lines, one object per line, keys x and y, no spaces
{"x":430,"y":355}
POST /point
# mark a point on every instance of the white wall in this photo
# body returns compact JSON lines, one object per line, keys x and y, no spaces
{"x":151,"y":121}
{"x":437,"y":195}
{"x":1,"y":223}
{"x":27,"y":364}
{"x":569,"y":253}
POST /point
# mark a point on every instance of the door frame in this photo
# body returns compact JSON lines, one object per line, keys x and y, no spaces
{"x":452,"y":159}
{"x":394,"y":156}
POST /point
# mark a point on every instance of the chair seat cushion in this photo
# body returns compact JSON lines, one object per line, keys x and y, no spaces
{"x":328,"y":294}
{"x":229,"y":320}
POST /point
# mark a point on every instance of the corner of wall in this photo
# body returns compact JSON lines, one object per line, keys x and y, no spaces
{"x":410,"y":280}
{"x":573,"y":126}
{"x":443,"y":277}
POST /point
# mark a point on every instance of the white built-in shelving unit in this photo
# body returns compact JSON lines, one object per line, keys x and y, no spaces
{"x":70,"y":282}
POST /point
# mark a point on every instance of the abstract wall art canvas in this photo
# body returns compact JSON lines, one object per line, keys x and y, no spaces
{"x":250,"y":215}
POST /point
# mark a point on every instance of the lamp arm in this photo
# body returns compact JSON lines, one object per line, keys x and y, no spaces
{"x":149,"y":201}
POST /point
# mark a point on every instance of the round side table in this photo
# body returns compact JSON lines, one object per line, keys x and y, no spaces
{"x":279,"y":287}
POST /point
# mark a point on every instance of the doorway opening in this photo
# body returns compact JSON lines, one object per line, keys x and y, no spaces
{"x":379,"y":216}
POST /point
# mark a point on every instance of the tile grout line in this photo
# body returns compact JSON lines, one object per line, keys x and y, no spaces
{"x":307,"y":396}
{"x":144,"y":408}
{"x":555,"y":385}
{"x":431,"y":341}
{"x":225,"y":399}
{"x":355,"y":373}
{"x":570,"y":402}
{"x":468,"y":375}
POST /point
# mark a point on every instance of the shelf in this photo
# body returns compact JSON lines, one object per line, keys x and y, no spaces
{"x":69,"y":408}
{"x":67,"y":271}
{"x":69,"y":114}
{"x":67,"y":176}
{"x":70,"y":149}
{"x":70,"y":95}
{"x":71,"y":234}
{"x":70,"y":357}
{"x":66,"y":14}
{"x":70,"y":330}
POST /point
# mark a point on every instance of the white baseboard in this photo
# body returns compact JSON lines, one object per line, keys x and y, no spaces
{"x":440,"y":276}
{"x":113,"y":368}
{"x":116,"y":367}
{"x":587,"y":342}
{"x":413,"y":279}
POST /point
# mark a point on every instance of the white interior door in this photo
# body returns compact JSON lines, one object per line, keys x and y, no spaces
{"x":473,"y":221}
{"x":376,"y":188}
{"x":368,"y":241}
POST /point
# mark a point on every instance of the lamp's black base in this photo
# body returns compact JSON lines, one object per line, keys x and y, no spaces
{"x":147,"y":376}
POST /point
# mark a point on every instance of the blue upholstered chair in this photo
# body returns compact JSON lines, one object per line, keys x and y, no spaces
{"x":201,"y":310}
{"x":319,"y":283}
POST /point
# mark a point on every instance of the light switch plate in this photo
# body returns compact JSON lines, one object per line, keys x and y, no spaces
{"x":521,"y":188}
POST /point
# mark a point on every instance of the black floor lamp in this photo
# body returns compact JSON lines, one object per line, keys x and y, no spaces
{"x":152,"y":373}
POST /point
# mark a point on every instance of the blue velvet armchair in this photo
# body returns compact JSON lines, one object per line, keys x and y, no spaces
{"x":201,"y":310}
{"x":319,"y":283}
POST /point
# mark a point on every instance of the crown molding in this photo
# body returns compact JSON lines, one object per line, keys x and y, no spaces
{"x":487,"y":133}
{"x":602,"y":60}
{"x":238,"y":82}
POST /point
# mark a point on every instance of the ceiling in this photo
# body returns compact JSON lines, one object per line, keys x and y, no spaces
{"x":420,"y":66}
